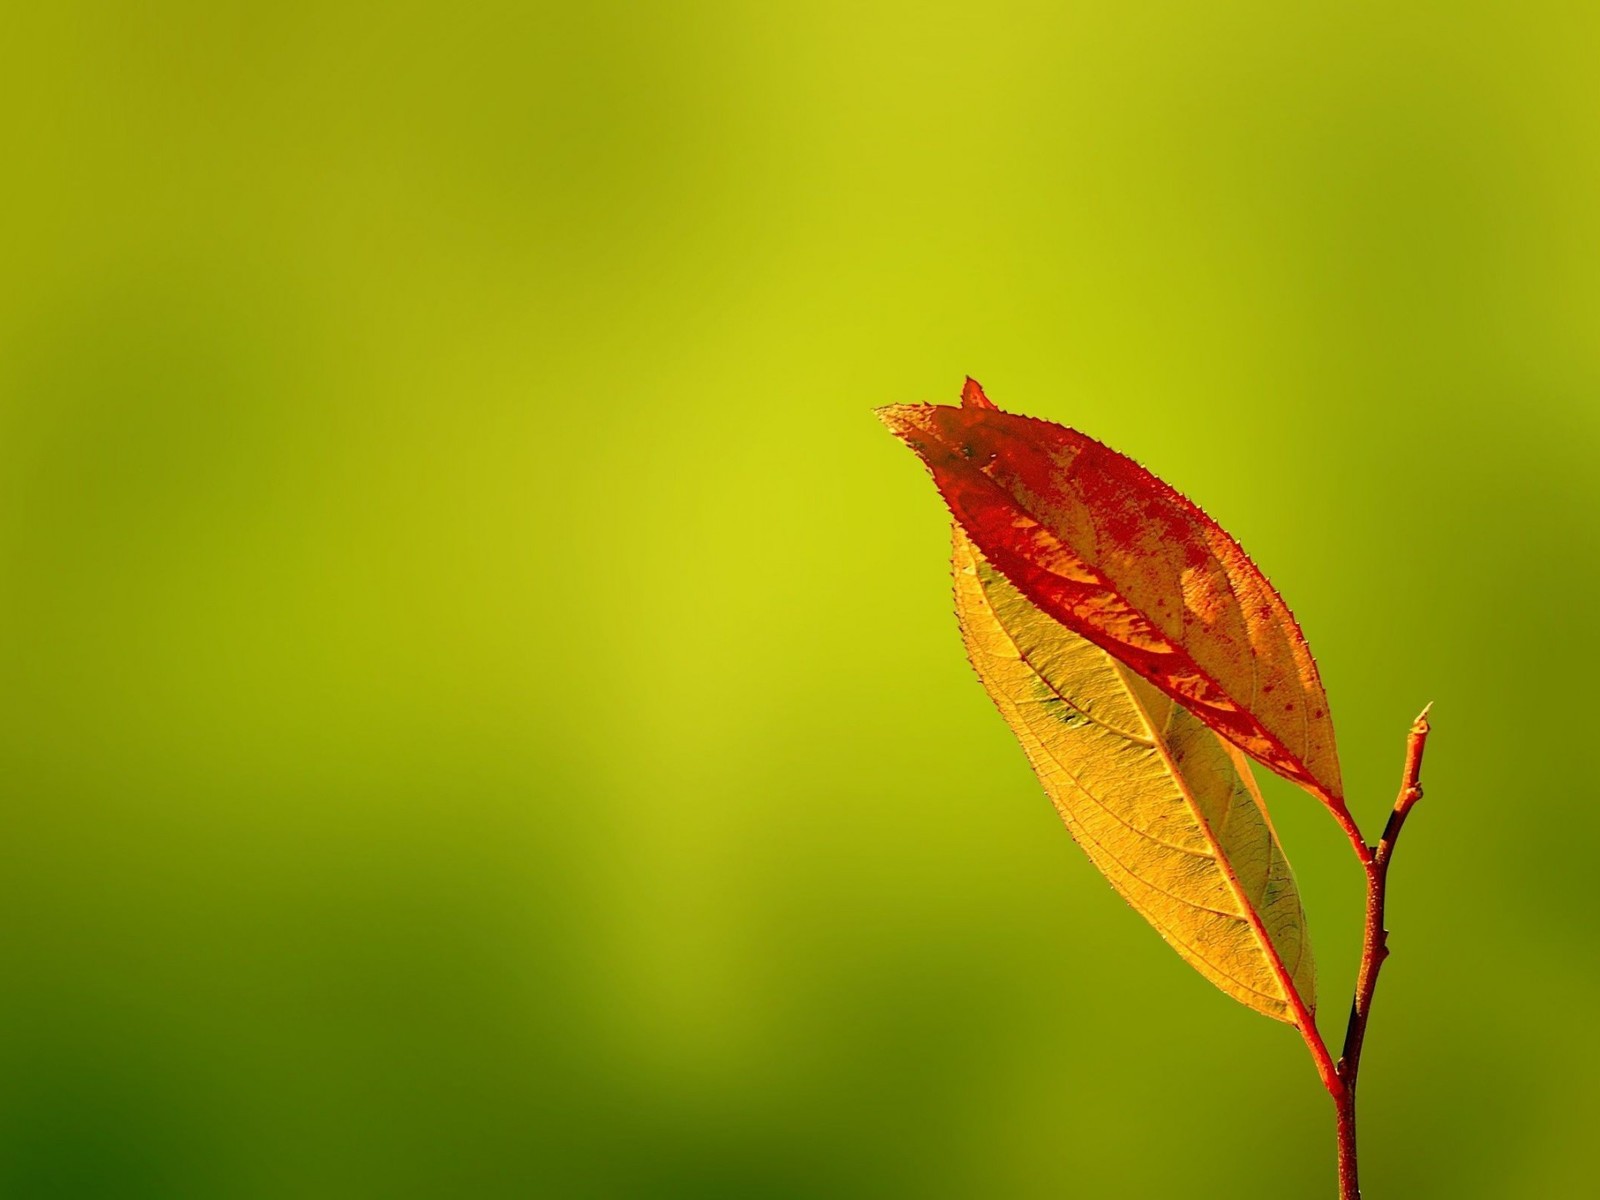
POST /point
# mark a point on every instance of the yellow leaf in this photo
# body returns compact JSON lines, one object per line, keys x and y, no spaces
{"x":1167,"y":810}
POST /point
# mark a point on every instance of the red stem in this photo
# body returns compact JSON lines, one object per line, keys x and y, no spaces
{"x":1374,"y":949}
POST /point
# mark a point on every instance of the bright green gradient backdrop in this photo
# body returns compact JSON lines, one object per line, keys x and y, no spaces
{"x":482,"y":715}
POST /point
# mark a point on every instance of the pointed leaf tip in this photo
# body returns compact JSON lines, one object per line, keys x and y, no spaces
{"x":972,"y":395}
{"x":911,"y":423}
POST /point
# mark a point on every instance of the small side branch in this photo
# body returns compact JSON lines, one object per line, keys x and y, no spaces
{"x":1375,"y":944}
{"x":1374,"y":949}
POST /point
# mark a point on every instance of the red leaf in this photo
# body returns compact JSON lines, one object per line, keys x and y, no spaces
{"x":1121,"y":558}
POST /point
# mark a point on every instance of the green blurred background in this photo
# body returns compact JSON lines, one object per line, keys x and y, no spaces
{"x":482,"y":715}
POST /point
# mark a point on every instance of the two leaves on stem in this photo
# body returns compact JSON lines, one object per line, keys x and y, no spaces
{"x":1139,"y":656}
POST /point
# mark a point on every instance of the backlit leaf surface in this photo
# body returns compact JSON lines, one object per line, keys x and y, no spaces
{"x":1104,"y":547}
{"x":1166,"y":809}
